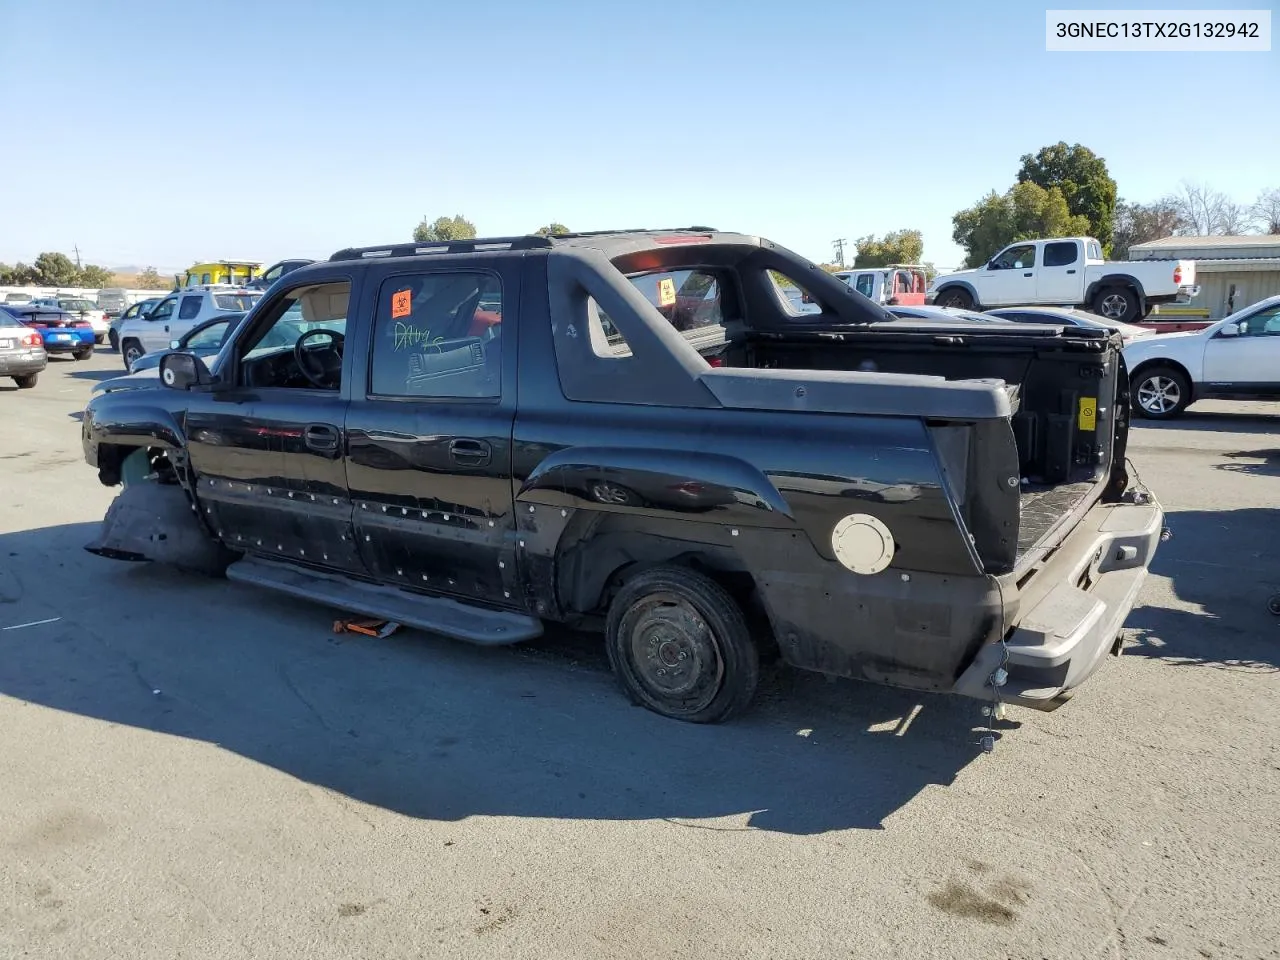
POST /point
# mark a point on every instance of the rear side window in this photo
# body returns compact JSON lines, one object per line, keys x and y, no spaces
{"x":190,"y":308}
{"x":1060,"y":254}
{"x":241,"y":302}
{"x":866,"y":284}
{"x":438,"y":335}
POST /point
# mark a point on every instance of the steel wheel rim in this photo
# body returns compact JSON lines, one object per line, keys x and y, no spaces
{"x":1159,"y":394}
{"x":673,"y":652}
{"x":131,"y":355}
{"x":1115,"y":306}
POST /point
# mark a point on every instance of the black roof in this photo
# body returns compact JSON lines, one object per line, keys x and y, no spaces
{"x":612,"y":242}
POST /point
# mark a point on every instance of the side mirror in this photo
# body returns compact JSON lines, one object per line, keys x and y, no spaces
{"x":182,"y":371}
{"x":1229,"y":330}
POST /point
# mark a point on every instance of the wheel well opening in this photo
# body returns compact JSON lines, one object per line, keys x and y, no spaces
{"x":725,"y":571}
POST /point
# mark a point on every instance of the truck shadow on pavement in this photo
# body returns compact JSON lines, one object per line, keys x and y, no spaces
{"x":1223,"y":566}
{"x":434,"y":728}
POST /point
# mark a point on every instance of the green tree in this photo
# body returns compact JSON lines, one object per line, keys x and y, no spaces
{"x":1082,"y":177}
{"x":900,"y":246}
{"x":552,"y":230}
{"x":55,"y":270}
{"x":1141,"y":222}
{"x":1026,"y":212}
{"x":150,"y":279}
{"x":456,"y":227}
{"x":94,"y":276}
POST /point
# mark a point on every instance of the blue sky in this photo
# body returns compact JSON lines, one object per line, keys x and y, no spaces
{"x":801,"y":122}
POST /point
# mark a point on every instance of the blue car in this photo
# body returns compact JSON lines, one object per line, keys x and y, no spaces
{"x":61,"y":332}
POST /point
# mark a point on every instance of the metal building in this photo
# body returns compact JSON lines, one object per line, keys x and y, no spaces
{"x":1233,"y":272}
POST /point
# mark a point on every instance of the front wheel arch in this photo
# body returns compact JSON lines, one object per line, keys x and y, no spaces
{"x":1141,"y":371}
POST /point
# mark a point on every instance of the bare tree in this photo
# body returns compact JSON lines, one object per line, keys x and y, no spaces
{"x":1206,"y":212}
{"x":1266,"y":211}
{"x":1142,"y":222}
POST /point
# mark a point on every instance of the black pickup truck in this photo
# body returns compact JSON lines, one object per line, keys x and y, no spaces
{"x":638,"y":432}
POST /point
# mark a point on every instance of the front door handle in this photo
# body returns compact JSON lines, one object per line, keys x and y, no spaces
{"x":1027,"y":274}
{"x":470,"y":452}
{"x":1072,"y":270}
{"x":321,"y":437}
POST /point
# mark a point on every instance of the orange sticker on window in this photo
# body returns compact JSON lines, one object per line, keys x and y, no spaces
{"x":401,"y":304}
{"x":666,"y":292}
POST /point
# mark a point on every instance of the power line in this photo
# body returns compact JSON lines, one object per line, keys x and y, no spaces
{"x":838,"y":245}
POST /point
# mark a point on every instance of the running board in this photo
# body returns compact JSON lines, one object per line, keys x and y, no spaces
{"x":452,"y":618}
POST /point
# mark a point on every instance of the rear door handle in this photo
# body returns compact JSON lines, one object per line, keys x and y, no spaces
{"x":1072,"y":270}
{"x":470,"y":452}
{"x":321,"y":437}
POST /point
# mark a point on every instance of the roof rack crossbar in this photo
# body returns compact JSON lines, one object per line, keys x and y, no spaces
{"x":428,"y":247}
{"x":604,"y":233}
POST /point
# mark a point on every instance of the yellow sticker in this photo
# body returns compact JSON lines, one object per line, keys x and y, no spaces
{"x":666,"y":292}
{"x":1088,"y":413}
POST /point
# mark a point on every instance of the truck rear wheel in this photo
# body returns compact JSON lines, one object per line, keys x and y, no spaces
{"x":1117,"y":303}
{"x":680,"y":646}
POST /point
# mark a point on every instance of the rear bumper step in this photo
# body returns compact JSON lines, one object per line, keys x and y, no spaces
{"x":1071,"y":612}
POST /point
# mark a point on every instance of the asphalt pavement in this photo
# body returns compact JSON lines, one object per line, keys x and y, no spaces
{"x":193,"y":768}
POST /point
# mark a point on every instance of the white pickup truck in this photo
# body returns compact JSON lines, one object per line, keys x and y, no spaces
{"x":1067,"y":272}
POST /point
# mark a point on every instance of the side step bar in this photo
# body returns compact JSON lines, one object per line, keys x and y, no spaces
{"x":477,"y":625}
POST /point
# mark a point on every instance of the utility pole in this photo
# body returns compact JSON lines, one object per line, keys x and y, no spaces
{"x":839,"y":248}
{"x":76,"y":248}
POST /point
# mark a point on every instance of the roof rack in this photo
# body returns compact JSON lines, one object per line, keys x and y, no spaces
{"x":479,"y":244}
{"x":530,"y":241}
{"x":605,"y":233}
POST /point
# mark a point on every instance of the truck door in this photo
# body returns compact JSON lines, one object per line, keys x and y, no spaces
{"x":1010,"y":277}
{"x":429,"y":433}
{"x":1249,"y":362}
{"x":267,"y":449}
{"x":158,"y":335}
{"x":1060,"y":279}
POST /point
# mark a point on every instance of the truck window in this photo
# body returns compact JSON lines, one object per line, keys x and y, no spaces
{"x":438,"y":335}
{"x":1061,"y":254}
{"x":1022,"y":257}
{"x":866,"y":284}
{"x":190,"y":308}
{"x":690,"y":300}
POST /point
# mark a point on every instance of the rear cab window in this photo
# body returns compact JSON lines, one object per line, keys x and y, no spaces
{"x":241,"y":302}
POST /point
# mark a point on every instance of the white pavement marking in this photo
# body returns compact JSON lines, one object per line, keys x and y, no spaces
{"x":33,"y":623}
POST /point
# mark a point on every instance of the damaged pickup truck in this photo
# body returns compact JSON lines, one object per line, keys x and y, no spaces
{"x":637,"y":433}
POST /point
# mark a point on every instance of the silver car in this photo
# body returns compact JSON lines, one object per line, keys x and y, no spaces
{"x":22,"y":355}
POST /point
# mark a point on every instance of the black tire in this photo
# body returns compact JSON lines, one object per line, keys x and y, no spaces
{"x":685,"y":621}
{"x":957,"y":297}
{"x":1117,"y":303}
{"x":27,"y":382}
{"x":1273,"y":604}
{"x":130,"y":350}
{"x":99,"y":338}
{"x":114,"y":338}
{"x":84,"y":354}
{"x":1160,"y":392}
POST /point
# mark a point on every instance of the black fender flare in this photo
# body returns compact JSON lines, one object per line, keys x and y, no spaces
{"x":1117,"y":280}
{"x":963,"y":284}
{"x":559,"y":515}
{"x":130,"y":426}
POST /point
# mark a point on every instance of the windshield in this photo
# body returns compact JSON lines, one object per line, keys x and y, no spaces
{"x":77,"y":304}
{"x":8,"y":320}
{"x":235,"y":301}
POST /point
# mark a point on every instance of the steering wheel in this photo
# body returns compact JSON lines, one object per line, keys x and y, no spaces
{"x":322,"y":367}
